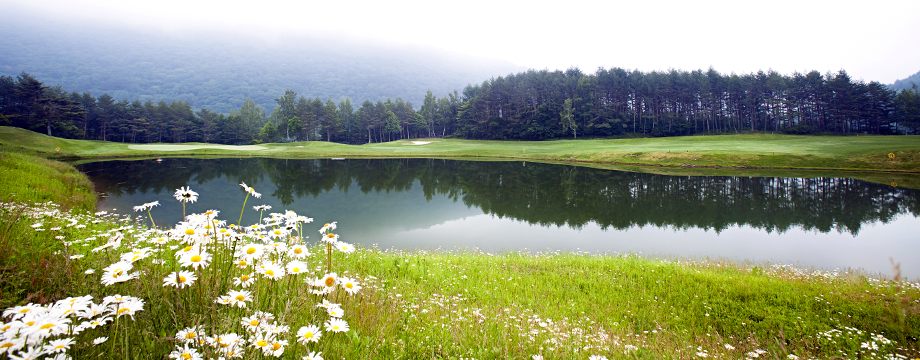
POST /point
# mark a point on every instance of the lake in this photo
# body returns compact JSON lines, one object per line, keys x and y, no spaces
{"x":823,"y":223}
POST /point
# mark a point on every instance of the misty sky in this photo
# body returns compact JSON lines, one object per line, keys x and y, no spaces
{"x":873,"y":41}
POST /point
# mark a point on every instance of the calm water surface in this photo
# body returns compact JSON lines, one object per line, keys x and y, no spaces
{"x":825,"y":223}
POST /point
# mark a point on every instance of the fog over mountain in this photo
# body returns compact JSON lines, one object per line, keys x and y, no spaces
{"x":219,"y":71}
{"x":906,"y":83}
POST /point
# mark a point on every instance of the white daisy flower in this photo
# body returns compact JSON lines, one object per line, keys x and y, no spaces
{"x":180,"y":279}
{"x":244,"y":280}
{"x":336,"y":325}
{"x":296,"y":267}
{"x":308,"y":334}
{"x":185,"y":194}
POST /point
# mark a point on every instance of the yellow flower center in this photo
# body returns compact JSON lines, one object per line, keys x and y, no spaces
{"x":47,"y":326}
{"x":254,"y":323}
{"x":186,"y":356}
{"x":330,"y":236}
{"x":181,"y":279}
{"x":242,"y":263}
{"x":277,"y":232}
{"x":189,"y":231}
{"x":135,"y":258}
{"x":244,"y":277}
{"x":262,"y":343}
{"x":269,"y":273}
{"x":190,"y":335}
{"x":30,"y":323}
{"x":251,"y":250}
{"x":23,"y":311}
{"x":59,"y":347}
{"x":308,"y":335}
{"x":296,"y":270}
{"x":330,"y":281}
{"x":207,"y":227}
{"x":122,"y":310}
{"x":6,"y":345}
{"x":196,"y":258}
{"x":187,"y":249}
{"x":350,"y":285}
{"x":240,"y":298}
{"x":336,"y":327}
{"x":298,"y":251}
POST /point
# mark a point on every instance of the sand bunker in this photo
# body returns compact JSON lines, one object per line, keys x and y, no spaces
{"x":179,"y":147}
{"x":421,"y":142}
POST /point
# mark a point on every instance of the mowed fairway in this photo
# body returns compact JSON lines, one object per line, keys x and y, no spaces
{"x":184,"y":147}
{"x":864,"y":153}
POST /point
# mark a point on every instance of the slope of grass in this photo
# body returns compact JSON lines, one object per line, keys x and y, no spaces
{"x":756,"y":150}
{"x":29,"y":265}
{"x":32,"y":179}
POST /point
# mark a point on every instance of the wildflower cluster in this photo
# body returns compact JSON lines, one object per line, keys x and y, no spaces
{"x":247,"y":269}
{"x":34,"y":330}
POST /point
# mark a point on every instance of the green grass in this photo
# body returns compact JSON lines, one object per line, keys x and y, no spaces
{"x":31,"y":179}
{"x":712,"y":152}
{"x":28,"y":180}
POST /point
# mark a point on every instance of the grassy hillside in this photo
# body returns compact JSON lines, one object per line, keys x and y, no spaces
{"x":748,"y":155}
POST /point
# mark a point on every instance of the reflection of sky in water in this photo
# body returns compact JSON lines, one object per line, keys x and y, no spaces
{"x":870,"y":250}
{"x":406,"y":220}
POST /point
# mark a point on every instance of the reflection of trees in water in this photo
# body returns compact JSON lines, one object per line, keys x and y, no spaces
{"x":547,"y":194}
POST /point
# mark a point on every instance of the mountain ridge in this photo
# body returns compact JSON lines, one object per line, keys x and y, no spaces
{"x":906,"y":83}
{"x":220,"y":73}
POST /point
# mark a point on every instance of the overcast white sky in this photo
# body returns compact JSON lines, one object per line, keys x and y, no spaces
{"x":872,"y":40}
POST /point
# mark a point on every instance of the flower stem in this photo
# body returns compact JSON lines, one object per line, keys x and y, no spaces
{"x":240,"y":222}
{"x":328,"y":258}
{"x":151,"y":219}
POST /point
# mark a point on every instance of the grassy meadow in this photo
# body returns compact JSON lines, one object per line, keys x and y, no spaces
{"x":859,"y":153}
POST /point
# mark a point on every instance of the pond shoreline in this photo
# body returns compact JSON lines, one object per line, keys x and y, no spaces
{"x":418,"y":303}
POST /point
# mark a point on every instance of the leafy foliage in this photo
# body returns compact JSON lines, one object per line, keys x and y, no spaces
{"x":537,"y":105}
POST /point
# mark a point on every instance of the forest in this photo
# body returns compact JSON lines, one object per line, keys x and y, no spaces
{"x":539,"y":105}
{"x":531,"y":105}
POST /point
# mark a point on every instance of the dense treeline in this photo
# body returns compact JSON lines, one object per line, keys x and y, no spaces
{"x":534,"y":105}
{"x":27,"y":103}
{"x":538,"y":105}
{"x":549,"y":195}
